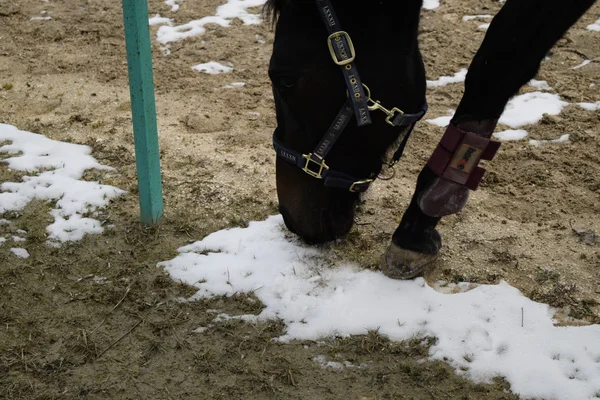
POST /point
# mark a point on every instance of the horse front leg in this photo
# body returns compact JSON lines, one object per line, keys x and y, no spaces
{"x":517,"y":40}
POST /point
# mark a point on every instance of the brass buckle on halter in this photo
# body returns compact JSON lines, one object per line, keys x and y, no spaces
{"x":315,"y":173}
{"x":337,"y":37}
{"x":353,"y":186}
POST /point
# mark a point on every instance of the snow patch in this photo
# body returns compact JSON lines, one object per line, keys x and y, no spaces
{"x":224,"y":15}
{"x":595,"y":26}
{"x":444,"y":80}
{"x":540,"y":85}
{"x":158,"y":20}
{"x":55,"y":170}
{"x":173,"y":4}
{"x":234,"y":85}
{"x":503,"y":332}
{"x":322,"y":361}
{"x":583,"y":64}
{"x":529,"y":108}
{"x":590,"y":106}
{"x":20,"y":252}
{"x":511,"y":134}
{"x":212,"y":67}
{"x":100,"y":280}
{"x":431,"y":4}
{"x":482,"y":16}
{"x":562,"y":139}
{"x":441,"y":121}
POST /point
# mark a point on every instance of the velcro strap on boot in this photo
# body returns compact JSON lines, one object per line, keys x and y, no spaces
{"x":458,"y":154}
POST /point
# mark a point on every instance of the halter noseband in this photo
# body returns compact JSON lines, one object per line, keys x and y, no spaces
{"x":359,"y":103}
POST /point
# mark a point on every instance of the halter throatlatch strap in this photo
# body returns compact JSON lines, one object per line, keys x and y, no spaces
{"x":342,"y":52}
{"x":458,"y":154}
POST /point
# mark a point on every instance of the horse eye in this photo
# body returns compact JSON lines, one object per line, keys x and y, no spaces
{"x":287,"y":81}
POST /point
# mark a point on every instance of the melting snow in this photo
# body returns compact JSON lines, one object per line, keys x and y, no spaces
{"x":54,"y":174}
{"x":431,"y":4}
{"x":212,"y":68}
{"x":595,"y":26}
{"x":20,"y":252}
{"x":590,"y":106}
{"x":541,"y":85}
{"x":525,"y":109}
{"x":563,"y":139}
{"x":511,"y":134}
{"x":224,"y":15}
{"x":234,"y":85}
{"x":158,"y":20}
{"x":529,"y":108}
{"x":470,"y":17}
{"x":583,"y":64}
{"x":173,"y":4}
{"x":444,"y":80}
{"x":322,"y":361}
{"x":100,"y":280}
{"x":441,"y":121}
{"x":502,"y":332}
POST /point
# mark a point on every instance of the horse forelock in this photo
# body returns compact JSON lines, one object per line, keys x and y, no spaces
{"x":272,"y":8}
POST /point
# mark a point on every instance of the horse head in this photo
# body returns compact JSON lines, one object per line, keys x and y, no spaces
{"x":334,"y":124}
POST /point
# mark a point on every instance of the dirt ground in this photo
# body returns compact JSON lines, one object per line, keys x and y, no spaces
{"x":65,"y":334}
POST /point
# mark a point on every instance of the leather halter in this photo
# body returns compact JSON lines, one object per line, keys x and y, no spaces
{"x":359,"y":103}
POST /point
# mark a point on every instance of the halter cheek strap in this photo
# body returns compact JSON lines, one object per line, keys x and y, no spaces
{"x":342,"y":52}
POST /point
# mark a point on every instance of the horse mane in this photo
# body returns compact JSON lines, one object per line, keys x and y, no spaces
{"x":271,"y":10}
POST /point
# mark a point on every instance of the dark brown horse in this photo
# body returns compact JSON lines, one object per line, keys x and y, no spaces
{"x":333,"y":131}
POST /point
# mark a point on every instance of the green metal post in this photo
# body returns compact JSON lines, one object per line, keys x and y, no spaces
{"x":143,"y":109}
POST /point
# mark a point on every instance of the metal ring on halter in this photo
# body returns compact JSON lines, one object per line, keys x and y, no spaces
{"x":368,"y":93}
{"x":376,"y":105}
{"x":390,"y":166}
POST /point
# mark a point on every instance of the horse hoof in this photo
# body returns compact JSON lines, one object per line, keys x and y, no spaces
{"x":399,"y":263}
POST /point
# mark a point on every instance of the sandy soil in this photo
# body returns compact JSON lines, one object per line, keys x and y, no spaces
{"x":66,"y":336}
